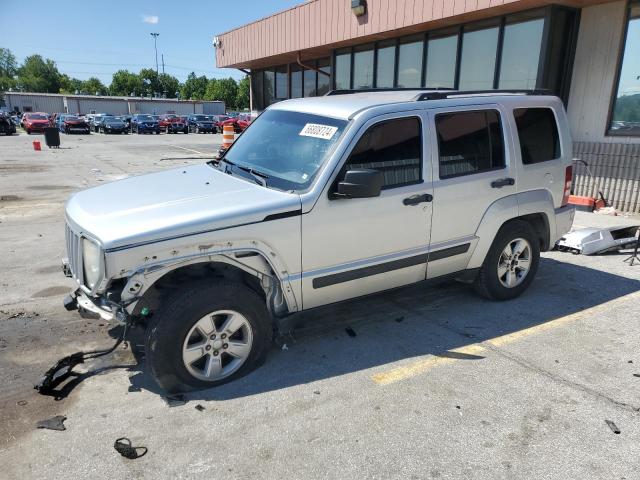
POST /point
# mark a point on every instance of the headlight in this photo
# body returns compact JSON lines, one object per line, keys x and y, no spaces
{"x":91,"y":260}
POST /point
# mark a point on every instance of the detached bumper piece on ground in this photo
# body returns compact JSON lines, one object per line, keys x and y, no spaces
{"x":63,"y":368}
{"x":592,"y":241}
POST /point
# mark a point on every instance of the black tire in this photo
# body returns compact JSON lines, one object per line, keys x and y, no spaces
{"x":488,"y":283}
{"x":168,"y":327}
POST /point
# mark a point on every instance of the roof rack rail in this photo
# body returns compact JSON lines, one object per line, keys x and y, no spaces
{"x":370,"y":90}
{"x":467,"y":93}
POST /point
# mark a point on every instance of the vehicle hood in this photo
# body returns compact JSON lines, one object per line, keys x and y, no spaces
{"x":172,"y":203}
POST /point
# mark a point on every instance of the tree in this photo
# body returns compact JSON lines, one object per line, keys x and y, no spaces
{"x":39,"y":75}
{"x":194,"y":87}
{"x":150,"y":82}
{"x":242,"y":98}
{"x":93,"y":86}
{"x":210,"y":90}
{"x":226,"y":90}
{"x":124,"y":83}
{"x":8,"y":63}
{"x":169,"y":85}
{"x":70,"y":85}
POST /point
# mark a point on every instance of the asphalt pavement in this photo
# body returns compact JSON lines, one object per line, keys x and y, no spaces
{"x":420,"y":383}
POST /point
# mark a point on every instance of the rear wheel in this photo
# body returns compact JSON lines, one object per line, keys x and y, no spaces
{"x":207,"y":334}
{"x":511,"y":263}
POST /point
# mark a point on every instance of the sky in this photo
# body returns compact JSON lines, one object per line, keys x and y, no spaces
{"x":95,"y":39}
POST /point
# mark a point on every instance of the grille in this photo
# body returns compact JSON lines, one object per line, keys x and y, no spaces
{"x":74,"y":252}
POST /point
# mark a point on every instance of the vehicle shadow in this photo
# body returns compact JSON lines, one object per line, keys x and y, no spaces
{"x":411,"y":322}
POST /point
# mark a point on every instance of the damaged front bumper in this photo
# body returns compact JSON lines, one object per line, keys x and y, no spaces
{"x":95,"y":307}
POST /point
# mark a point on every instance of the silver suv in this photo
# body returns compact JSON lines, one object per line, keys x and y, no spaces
{"x":322,"y":200}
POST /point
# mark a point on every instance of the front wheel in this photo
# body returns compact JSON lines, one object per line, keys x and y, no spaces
{"x":207,"y":334}
{"x":511,"y":263}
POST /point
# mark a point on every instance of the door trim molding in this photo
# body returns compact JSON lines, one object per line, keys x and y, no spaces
{"x":357,"y":273}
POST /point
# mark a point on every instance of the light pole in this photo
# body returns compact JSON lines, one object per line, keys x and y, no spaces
{"x":155,"y":45}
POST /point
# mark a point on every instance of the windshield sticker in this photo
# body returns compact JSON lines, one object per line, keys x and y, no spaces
{"x":324,"y":132}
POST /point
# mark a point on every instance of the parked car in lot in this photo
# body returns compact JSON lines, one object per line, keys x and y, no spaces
{"x":73,"y":124}
{"x":142,"y":123}
{"x":7,"y":126}
{"x":126,"y":119}
{"x":238,"y":123}
{"x":202,"y":124}
{"x":110,"y":124}
{"x":35,"y":122}
{"x":219,"y":119}
{"x":322,"y":200}
{"x":170,"y":123}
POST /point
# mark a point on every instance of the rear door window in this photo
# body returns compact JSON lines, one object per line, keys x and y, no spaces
{"x":538,"y":133}
{"x":469,"y":142}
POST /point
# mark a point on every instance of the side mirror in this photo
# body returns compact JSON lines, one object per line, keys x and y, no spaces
{"x":361,"y":183}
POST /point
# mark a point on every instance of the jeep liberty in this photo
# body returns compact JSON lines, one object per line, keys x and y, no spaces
{"x":321,"y":200}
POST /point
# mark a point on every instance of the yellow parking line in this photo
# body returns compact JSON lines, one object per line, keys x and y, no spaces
{"x":420,"y":366}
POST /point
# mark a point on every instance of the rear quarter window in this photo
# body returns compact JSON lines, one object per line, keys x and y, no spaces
{"x":538,"y":133}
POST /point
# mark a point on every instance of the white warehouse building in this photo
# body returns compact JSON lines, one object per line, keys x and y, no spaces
{"x":84,"y":104}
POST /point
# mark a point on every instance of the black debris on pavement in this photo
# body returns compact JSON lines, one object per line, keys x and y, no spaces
{"x":614,"y":428}
{"x":200,"y":408}
{"x":636,"y":375}
{"x":123,"y":447}
{"x":317,"y":392}
{"x":350,"y":331}
{"x":55,"y":423}
{"x":399,"y":319}
{"x":458,"y":407}
{"x":174,"y":400}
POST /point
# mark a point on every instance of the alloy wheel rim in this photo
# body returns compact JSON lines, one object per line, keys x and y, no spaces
{"x":217,"y":345}
{"x":514,"y":263}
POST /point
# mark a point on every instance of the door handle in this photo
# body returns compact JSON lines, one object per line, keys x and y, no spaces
{"x":503,"y":182}
{"x":416,"y":199}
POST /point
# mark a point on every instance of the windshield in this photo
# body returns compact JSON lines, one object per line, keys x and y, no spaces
{"x":145,"y":118}
{"x":203,"y":118}
{"x":38,"y":117}
{"x":70,"y":118}
{"x":286,"y":147}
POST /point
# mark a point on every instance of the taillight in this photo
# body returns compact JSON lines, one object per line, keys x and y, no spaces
{"x":568,"y":180}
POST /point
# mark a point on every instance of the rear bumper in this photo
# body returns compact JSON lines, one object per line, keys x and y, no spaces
{"x":564,"y":221}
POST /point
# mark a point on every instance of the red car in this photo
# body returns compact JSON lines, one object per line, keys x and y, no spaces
{"x":239,"y":123}
{"x":35,"y":122}
{"x":171,"y":123}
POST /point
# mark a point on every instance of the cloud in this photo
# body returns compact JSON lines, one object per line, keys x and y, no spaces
{"x":153,"y":19}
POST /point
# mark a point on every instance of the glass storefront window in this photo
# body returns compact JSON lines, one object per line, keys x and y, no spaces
{"x":282,"y":85}
{"x":521,"y":54}
{"x":363,"y":68}
{"x":625,"y":118}
{"x":256,"y":89}
{"x":441,"y":62}
{"x":343,"y":70}
{"x":296,"y":81}
{"x":410,"y":63}
{"x":309,"y":83}
{"x":386,"y":65}
{"x":324,"y":81}
{"x":269,"y":87}
{"x":478,"y":63}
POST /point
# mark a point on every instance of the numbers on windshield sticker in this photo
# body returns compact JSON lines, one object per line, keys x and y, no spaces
{"x":315,"y":130}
